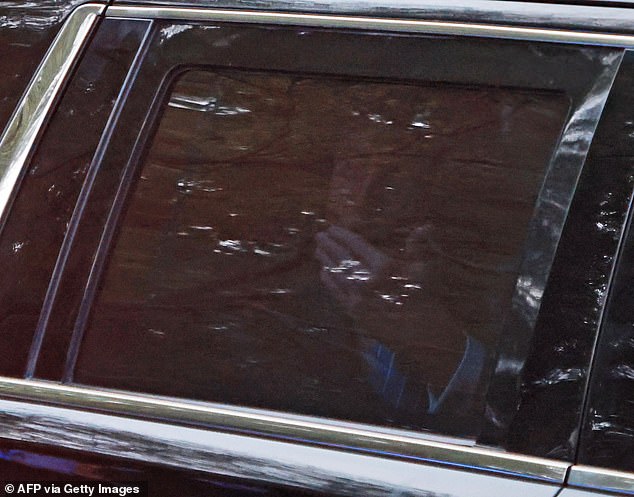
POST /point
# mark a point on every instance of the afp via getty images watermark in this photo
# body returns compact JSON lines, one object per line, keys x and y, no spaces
{"x":87,"y":489}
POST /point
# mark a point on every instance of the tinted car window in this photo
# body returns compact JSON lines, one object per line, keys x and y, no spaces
{"x":342,"y":248}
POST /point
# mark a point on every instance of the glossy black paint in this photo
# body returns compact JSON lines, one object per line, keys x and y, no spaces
{"x":26,"y":32}
{"x":21,"y":461}
{"x":32,"y":236}
{"x":554,"y":382}
{"x":107,"y":64}
{"x":567,"y":69}
{"x":607,"y":438}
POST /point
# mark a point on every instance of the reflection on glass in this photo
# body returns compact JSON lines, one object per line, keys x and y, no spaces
{"x":322,"y":246}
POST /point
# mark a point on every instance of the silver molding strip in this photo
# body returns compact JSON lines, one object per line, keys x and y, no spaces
{"x":591,"y":477}
{"x":373,"y":24}
{"x":249,"y":458}
{"x":305,"y":430}
{"x":20,"y":134}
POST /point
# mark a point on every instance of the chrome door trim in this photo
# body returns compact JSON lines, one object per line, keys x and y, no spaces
{"x":388,"y":443}
{"x":376,"y":441}
{"x":19,"y":136}
{"x":250,"y":458}
{"x":373,"y":24}
{"x":602,"y":479}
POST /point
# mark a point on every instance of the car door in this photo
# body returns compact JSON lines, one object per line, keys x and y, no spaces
{"x":291,"y":252}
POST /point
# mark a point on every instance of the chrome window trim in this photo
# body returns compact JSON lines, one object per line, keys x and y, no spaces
{"x":602,"y":479}
{"x":302,"y":430}
{"x":19,"y":136}
{"x":608,"y":18}
{"x":374,"y":24}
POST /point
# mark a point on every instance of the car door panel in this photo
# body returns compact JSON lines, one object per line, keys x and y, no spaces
{"x":102,"y":390}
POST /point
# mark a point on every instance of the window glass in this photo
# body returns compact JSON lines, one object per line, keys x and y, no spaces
{"x":332,"y":247}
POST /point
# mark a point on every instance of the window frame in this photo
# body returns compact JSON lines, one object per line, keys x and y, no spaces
{"x":190,"y":49}
{"x":158,"y":70}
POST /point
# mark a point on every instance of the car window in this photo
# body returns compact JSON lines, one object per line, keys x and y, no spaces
{"x":341,"y":248}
